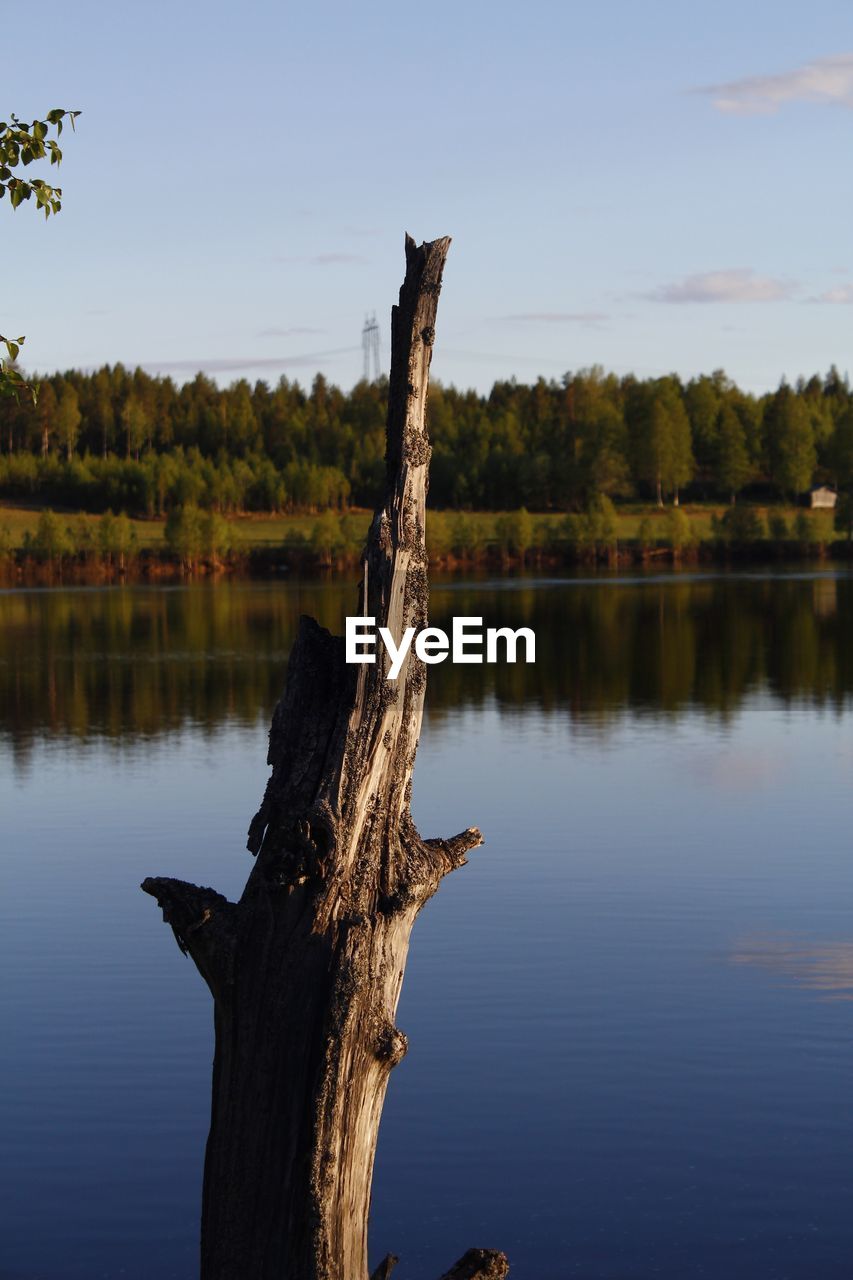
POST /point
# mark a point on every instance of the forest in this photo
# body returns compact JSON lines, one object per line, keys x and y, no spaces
{"x":130,"y":441}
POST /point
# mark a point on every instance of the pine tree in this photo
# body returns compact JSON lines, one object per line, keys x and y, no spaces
{"x":790,"y":442}
{"x":732,"y":466}
{"x":68,"y":418}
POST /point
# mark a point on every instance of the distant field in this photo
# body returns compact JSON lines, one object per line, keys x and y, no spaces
{"x":247,"y":530}
{"x":21,"y":520}
{"x":281,"y":530}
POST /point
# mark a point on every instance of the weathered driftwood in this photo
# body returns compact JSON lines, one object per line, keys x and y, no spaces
{"x":306,"y":969}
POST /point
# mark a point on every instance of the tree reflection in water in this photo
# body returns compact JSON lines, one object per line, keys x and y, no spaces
{"x":127,"y":663}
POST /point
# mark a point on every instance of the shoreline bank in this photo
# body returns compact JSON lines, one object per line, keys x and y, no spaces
{"x":155,"y":565}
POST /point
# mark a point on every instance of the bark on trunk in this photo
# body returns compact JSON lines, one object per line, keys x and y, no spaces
{"x":306,"y":969}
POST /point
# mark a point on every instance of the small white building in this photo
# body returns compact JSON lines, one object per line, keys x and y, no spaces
{"x":822,"y":498}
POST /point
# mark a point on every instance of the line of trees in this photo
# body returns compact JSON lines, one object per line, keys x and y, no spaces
{"x":122,"y":439}
{"x":190,"y":534}
{"x":158,"y":482}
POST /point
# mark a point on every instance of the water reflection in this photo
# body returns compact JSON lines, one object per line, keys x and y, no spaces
{"x":825,"y":968}
{"x":135,"y":662}
{"x":626,"y":1056}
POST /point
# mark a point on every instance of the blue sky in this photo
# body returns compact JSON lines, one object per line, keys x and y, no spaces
{"x":652,"y":188}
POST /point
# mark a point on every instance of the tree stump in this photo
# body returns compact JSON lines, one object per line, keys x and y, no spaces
{"x":306,"y":969}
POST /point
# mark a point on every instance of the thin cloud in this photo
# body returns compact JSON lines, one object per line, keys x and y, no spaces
{"x":325,"y":260}
{"x":842,"y":296}
{"x":736,"y":285}
{"x":496,"y":357}
{"x":233,"y":364}
{"x":555,"y":317}
{"x":336,"y":259}
{"x":297,"y":330}
{"x":825,"y":80}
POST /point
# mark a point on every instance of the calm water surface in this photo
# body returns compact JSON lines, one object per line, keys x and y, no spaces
{"x":630,"y":1017}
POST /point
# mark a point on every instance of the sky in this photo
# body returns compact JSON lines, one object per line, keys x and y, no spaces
{"x":652,"y":188}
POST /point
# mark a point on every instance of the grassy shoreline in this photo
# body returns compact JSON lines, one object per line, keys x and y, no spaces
{"x":289,"y":530}
{"x":38,"y":547}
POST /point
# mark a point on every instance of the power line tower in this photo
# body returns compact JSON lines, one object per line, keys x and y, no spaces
{"x":370,"y":347}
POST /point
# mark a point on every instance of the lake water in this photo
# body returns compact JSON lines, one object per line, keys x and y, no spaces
{"x":630,"y":1017}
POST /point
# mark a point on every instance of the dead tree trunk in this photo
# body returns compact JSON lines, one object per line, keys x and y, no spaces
{"x":306,"y":969}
